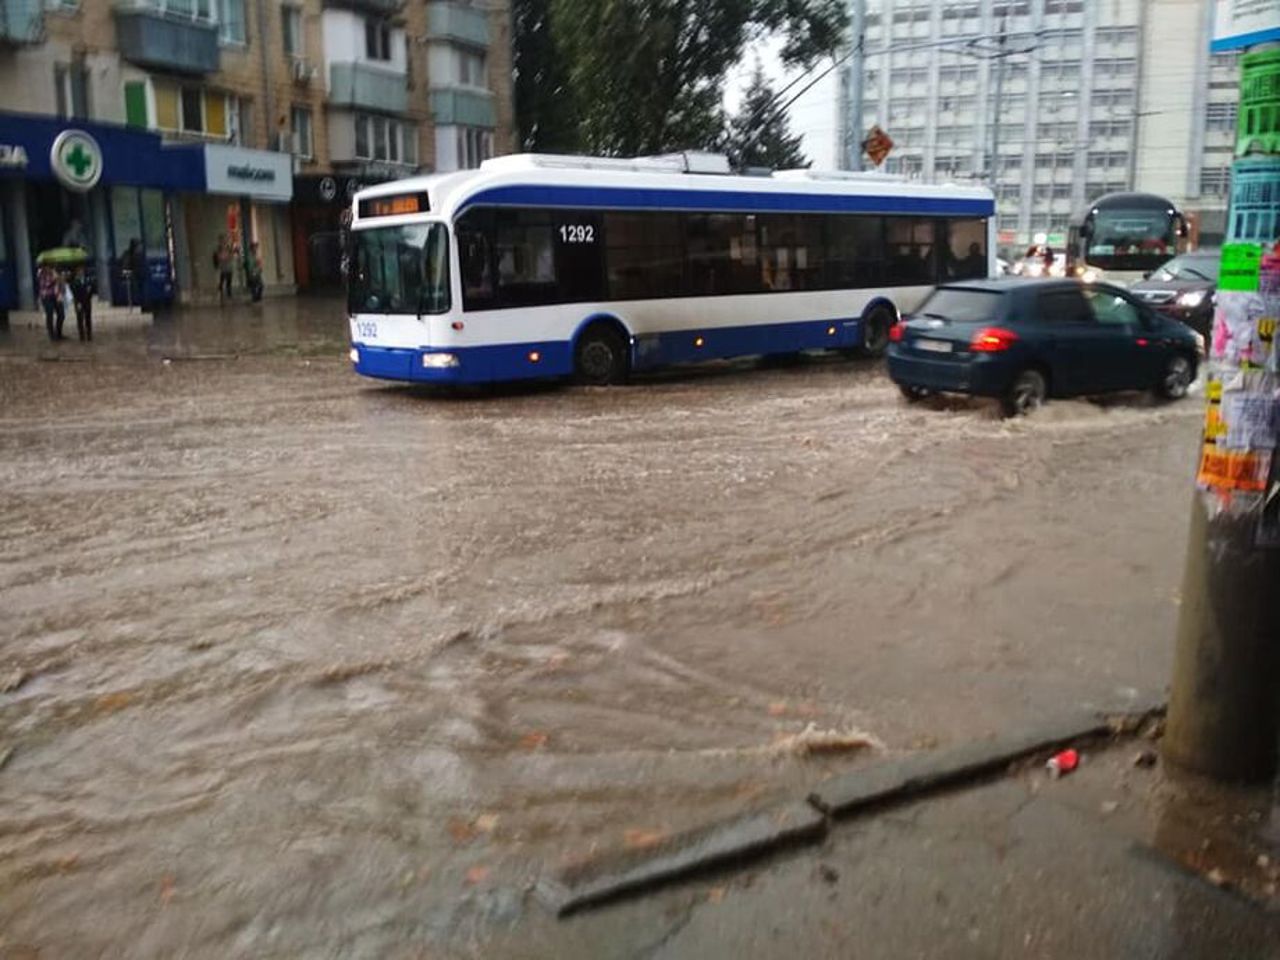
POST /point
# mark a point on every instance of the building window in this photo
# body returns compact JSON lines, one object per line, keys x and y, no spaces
{"x":192,"y":102}
{"x":377,"y":40}
{"x":475,"y":145}
{"x":193,"y":111}
{"x":182,"y":9}
{"x":300,"y":131}
{"x":71,"y":89}
{"x":1215,"y":181}
{"x":471,"y":72}
{"x":231,"y":21}
{"x":291,"y":31}
{"x":385,"y":139}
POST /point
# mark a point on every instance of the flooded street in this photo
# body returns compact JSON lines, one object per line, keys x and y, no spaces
{"x":299,"y":664}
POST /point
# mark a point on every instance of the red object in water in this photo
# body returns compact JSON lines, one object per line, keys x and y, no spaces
{"x":1063,"y":763}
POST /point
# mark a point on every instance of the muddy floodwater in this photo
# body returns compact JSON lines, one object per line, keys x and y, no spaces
{"x":298,"y":664}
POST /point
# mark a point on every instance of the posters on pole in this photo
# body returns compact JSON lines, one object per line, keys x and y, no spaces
{"x":1244,"y":23}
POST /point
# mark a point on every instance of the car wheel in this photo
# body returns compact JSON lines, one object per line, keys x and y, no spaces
{"x":1026,"y":394}
{"x":601,"y":357}
{"x":875,"y":331}
{"x":914,"y":394}
{"x":1176,"y":379}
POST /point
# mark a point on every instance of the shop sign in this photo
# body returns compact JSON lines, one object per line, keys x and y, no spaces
{"x":76,"y":160}
{"x":259,"y":174}
{"x":13,"y":156}
{"x":1244,"y":23}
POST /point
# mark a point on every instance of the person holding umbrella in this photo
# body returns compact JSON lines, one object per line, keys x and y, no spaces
{"x":50,"y":284}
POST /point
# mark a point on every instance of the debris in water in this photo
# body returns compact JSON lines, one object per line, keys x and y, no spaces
{"x":13,"y":681}
{"x":477,"y":875}
{"x":5,"y":756}
{"x":1144,"y":759}
{"x":811,"y":740}
{"x":642,"y":839}
{"x":1217,"y":877}
{"x":828,"y":873}
{"x":1109,"y":807}
{"x":486,"y":822}
{"x":533,"y":741}
{"x":1060,"y":764}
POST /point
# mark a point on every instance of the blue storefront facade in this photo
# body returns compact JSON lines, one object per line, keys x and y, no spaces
{"x":100,"y":186}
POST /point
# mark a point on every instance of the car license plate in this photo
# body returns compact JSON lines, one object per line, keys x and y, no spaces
{"x":933,"y":346}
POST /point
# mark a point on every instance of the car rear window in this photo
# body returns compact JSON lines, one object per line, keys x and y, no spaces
{"x":962,"y":305}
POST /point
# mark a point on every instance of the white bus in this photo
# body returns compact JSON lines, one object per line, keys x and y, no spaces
{"x":546,"y":266}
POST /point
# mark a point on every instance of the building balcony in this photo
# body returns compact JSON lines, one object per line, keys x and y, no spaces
{"x":361,"y":85}
{"x":21,"y":22}
{"x":458,"y":24}
{"x":153,"y":39}
{"x":468,"y":108}
{"x":386,"y":8}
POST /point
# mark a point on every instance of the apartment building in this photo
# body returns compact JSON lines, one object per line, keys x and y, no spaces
{"x":250,"y":119}
{"x":1084,"y":97}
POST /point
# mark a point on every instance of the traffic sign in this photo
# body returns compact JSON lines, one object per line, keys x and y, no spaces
{"x":877,"y":145}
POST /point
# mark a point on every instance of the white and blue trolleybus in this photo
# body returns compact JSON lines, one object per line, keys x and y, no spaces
{"x":548,"y":266}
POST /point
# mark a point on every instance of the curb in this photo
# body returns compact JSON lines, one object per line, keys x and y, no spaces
{"x":797,"y":822}
{"x":720,"y":845}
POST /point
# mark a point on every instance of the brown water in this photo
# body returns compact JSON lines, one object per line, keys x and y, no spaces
{"x":306,"y":665}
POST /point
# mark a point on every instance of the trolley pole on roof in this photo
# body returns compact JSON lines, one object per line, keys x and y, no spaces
{"x":857,"y":83}
{"x":1224,"y":712}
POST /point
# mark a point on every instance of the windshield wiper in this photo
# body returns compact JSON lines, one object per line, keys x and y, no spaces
{"x":1197,"y":274}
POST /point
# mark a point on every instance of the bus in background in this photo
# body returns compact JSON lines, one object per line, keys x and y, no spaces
{"x":1122,"y":237}
{"x":547,"y":266}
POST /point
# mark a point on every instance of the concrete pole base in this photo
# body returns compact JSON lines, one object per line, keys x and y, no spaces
{"x":1224,"y":711}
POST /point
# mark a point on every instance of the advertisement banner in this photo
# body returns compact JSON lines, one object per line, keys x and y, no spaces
{"x":1244,"y":23}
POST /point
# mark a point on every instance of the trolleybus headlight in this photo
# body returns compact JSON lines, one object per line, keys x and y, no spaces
{"x":355,"y":355}
{"x":439,"y":361}
{"x":1192,"y":298}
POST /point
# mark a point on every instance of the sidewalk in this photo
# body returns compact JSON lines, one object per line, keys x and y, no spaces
{"x":1114,"y":861}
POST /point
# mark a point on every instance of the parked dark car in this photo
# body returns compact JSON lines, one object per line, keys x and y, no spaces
{"x":1183,"y":289}
{"x":1026,"y":340}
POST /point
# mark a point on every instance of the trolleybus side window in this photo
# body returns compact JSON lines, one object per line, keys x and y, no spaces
{"x":645,"y":254}
{"x":792,"y":251}
{"x":855,"y":251}
{"x":579,"y":253}
{"x":476,"y":260}
{"x":526,"y":255}
{"x":911,"y":251}
{"x":722,"y":254}
{"x":966,"y":249}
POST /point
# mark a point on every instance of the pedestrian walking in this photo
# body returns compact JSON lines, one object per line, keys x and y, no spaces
{"x":253,"y":271}
{"x":133,"y":264}
{"x":82,"y":287}
{"x":50,"y":284}
{"x":224,"y":259}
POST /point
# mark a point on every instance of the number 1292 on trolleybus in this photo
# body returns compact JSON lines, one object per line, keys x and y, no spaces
{"x":543,"y":266}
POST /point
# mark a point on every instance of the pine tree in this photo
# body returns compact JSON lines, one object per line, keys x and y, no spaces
{"x":631,"y":77}
{"x":760,"y":134}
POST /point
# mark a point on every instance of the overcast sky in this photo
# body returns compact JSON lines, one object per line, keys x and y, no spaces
{"x":813,"y":115}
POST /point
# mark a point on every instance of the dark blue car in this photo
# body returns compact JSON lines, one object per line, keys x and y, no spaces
{"x":1023,"y":341}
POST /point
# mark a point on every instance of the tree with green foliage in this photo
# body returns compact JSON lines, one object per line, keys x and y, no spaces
{"x":544,"y":106}
{"x":647,"y":76}
{"x":760,"y":134}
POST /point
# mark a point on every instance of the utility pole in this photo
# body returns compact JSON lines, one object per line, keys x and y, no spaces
{"x":1224,"y":712}
{"x":857,"y":73}
{"x":998,"y":64}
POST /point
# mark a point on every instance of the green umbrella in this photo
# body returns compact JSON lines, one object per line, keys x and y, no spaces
{"x":62,"y":257}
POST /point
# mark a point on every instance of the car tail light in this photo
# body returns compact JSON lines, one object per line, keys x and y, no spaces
{"x":992,"y":340}
{"x":896,"y":331}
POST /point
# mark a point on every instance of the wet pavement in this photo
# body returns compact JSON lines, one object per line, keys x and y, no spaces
{"x":298,"y":664}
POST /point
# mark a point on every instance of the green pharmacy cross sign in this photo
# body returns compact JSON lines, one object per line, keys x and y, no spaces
{"x":76,"y":160}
